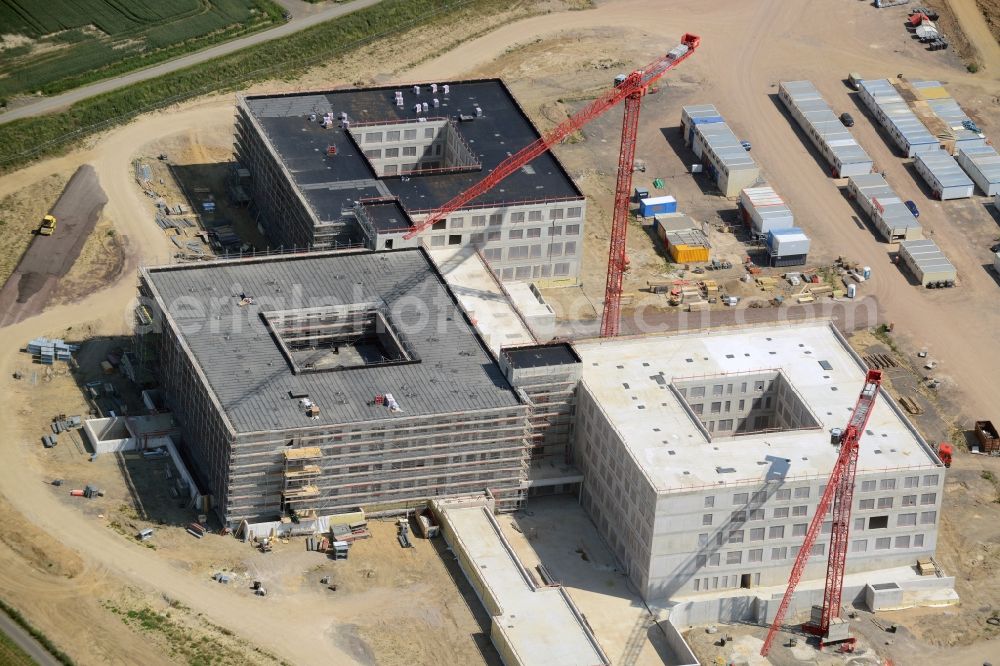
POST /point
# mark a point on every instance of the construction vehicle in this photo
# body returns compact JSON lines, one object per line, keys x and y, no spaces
{"x":826,"y":622}
{"x":628,"y":88}
{"x":48,"y":226}
{"x":265,"y":545}
{"x":944,"y":453}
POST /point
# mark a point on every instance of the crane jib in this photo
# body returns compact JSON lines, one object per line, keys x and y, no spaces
{"x":638,"y":81}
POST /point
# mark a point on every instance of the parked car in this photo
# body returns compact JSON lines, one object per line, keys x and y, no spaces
{"x":913,"y":208}
{"x":847,"y":119}
{"x":746,"y":145}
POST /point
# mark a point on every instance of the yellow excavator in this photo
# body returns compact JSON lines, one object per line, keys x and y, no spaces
{"x":48,"y":226}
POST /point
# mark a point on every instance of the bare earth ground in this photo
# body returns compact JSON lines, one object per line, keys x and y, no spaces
{"x":21,"y":213}
{"x":747,"y":48}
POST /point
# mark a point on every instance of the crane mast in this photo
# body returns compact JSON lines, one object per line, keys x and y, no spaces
{"x":839,"y":495}
{"x":631,"y":91}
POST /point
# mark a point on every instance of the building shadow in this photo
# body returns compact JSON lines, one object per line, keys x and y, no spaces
{"x":925,"y":189}
{"x":801,"y":135}
{"x":481,"y":638}
{"x":992,"y":273}
{"x":220,"y":185}
{"x":879,"y":129}
{"x":675,"y":138}
{"x":993,"y":211}
{"x":860,"y":218}
{"x":752,"y":513}
{"x":99,"y":370}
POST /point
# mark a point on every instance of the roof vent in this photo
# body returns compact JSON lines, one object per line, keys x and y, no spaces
{"x":725,"y":470}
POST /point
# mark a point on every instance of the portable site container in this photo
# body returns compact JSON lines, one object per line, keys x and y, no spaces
{"x":687,"y":247}
{"x":788,"y":260}
{"x":926,"y":261}
{"x":672,"y":222}
{"x":835,"y":142}
{"x":983,"y":166}
{"x":724,"y":158}
{"x":787,"y":242}
{"x":641,"y":193}
{"x":942,"y":173}
{"x":657,"y":205}
{"x":890,"y":216}
{"x":694,"y":115}
{"x":904,"y":128}
{"x":764,"y":210}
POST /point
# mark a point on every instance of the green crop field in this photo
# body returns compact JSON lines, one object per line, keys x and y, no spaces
{"x":12,"y":655}
{"x":56,"y":45}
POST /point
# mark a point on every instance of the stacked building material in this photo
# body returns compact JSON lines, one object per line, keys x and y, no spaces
{"x":49,"y":351}
{"x":841,"y":151}
{"x":962,"y":132}
{"x":942,"y":173}
{"x":888,"y":213}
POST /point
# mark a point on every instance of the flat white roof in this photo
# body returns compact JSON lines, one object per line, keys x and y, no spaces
{"x":482,"y":298}
{"x":673,"y":451}
{"x":540,"y":624}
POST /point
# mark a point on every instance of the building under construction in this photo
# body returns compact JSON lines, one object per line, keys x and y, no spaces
{"x":318,"y":383}
{"x":704,"y":457}
{"x":361,"y":166}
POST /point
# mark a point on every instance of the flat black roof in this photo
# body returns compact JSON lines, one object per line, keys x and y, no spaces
{"x":538,"y":356}
{"x":387,"y":216}
{"x":251,"y":379}
{"x":332,"y":183}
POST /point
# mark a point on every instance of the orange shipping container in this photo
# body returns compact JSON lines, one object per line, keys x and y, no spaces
{"x":688,"y":254}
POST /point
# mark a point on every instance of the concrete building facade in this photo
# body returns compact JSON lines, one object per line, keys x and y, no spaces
{"x":704,"y":457}
{"x":361,"y":167}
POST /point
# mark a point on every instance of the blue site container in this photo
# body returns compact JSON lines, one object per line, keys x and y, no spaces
{"x":657,"y":206}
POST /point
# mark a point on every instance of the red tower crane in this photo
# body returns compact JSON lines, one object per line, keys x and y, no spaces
{"x":631,"y":90}
{"x":840,"y":492}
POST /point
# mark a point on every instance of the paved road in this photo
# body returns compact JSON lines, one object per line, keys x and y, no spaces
{"x":26,"y":642}
{"x":303,"y":16}
{"x":48,"y":258}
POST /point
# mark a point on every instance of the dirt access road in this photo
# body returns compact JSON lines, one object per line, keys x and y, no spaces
{"x":974,"y":25}
{"x":304,"y":16}
{"x":746,"y":50}
{"x":49,"y":258}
